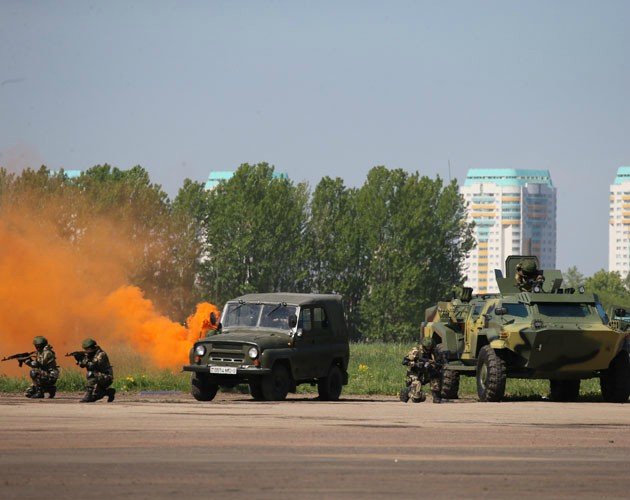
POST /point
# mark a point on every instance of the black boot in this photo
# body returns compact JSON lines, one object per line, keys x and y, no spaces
{"x":88,"y":398}
{"x":30,"y":391}
{"x":51,"y":392}
{"x":38,"y":394}
{"x":111,"y":394}
{"x":404,"y":394}
{"x":436,"y":398}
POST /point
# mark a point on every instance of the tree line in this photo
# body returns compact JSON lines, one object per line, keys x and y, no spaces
{"x":391,"y":247}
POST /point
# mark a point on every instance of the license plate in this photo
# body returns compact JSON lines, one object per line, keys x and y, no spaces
{"x":223,"y":370}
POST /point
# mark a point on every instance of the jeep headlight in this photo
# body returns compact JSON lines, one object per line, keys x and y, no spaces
{"x":200,"y":350}
{"x":253,"y":352}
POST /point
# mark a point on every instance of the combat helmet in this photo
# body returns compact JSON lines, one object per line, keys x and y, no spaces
{"x":529,"y":266}
{"x":427,"y":343}
{"x":40,"y":341}
{"x":88,"y":343}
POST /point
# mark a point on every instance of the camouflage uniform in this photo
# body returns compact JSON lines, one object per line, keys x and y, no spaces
{"x":44,"y":370}
{"x":423,"y":366}
{"x":100,"y":373}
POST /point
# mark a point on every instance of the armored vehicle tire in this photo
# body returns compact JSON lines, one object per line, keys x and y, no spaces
{"x":491,"y":375}
{"x":615,"y":382}
{"x":564,"y":390}
{"x":202,"y":389}
{"x":329,"y":387}
{"x":450,"y":384}
{"x":256,"y":392}
{"x":275,"y":387}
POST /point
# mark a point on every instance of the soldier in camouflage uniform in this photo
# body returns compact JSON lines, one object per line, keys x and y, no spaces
{"x":100,"y":374}
{"x":424,"y":365}
{"x":44,"y":370}
{"x":527,"y":275}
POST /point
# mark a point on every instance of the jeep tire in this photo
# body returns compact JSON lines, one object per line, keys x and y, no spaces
{"x":450,"y":384}
{"x":491,"y":375}
{"x":329,"y":387}
{"x":615,"y":382}
{"x":201,"y":388}
{"x":275,"y":386}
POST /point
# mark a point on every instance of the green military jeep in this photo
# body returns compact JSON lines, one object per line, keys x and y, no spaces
{"x":274,"y":342}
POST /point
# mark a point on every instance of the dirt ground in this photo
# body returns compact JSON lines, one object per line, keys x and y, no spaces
{"x":164,"y":445}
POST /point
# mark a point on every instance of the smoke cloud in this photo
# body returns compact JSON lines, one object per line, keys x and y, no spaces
{"x":69,"y":288}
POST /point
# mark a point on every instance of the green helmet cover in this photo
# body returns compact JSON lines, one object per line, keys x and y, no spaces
{"x":427,"y":342}
{"x":88,"y":343}
{"x":529,"y":266}
{"x":40,"y":341}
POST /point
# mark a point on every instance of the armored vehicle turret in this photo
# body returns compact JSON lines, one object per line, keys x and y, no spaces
{"x":534,"y":328}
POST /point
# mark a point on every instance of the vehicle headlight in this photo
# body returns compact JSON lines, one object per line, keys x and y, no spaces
{"x":537,"y":324}
{"x":537,"y":289}
{"x":200,"y":350}
{"x":581,"y":289}
{"x":253,"y":352}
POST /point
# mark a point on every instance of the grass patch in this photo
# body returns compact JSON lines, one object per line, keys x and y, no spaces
{"x":373,"y":369}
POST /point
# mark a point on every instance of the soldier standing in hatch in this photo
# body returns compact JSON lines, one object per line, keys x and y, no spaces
{"x":527,"y":274}
{"x":100,"y":374}
{"x":44,"y":370}
{"x":423,"y":364}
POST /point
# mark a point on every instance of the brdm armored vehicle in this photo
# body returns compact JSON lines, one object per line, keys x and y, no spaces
{"x":273,"y":342}
{"x":532,"y":329}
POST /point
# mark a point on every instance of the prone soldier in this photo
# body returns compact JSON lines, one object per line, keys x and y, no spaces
{"x":425,"y":365}
{"x":100,"y":374}
{"x":44,"y":370}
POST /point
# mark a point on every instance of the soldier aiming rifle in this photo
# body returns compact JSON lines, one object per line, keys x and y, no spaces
{"x":44,"y":370}
{"x":424,"y":365}
{"x":100,"y":374}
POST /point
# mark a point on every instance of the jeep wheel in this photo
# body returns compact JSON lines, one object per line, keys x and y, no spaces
{"x":450,"y":384}
{"x":564,"y":390}
{"x":329,"y":387}
{"x":615,"y":382}
{"x":491,"y":375}
{"x":202,"y":389}
{"x":256,"y":392}
{"x":275,"y":387}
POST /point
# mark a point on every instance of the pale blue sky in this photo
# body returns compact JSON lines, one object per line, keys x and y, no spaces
{"x":327,"y":88}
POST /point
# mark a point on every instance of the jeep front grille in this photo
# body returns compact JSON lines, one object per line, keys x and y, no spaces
{"x":227,"y":359}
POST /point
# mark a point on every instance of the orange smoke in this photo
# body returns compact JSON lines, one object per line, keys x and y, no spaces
{"x":66,"y":291}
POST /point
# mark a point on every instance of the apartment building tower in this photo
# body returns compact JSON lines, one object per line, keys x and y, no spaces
{"x":619,"y":223}
{"x":514,"y":212}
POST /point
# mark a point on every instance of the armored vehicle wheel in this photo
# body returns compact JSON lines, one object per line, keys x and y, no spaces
{"x":329,"y":387}
{"x":450,"y":384}
{"x":615,"y":382}
{"x":275,"y":387}
{"x":564,"y":390}
{"x":491,"y":375}
{"x":256,"y":392}
{"x":202,"y":389}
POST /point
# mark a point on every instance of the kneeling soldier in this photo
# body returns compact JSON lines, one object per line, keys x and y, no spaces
{"x":424,"y":365}
{"x":44,"y":370}
{"x":100,"y":374}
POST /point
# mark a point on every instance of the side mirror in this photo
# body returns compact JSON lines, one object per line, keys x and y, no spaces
{"x":292,"y":321}
{"x":213,"y":319}
{"x":620,"y":312}
{"x":500,"y":311}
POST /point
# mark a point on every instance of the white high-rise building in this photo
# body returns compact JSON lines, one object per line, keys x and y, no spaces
{"x":515,"y":214}
{"x":619,"y":223}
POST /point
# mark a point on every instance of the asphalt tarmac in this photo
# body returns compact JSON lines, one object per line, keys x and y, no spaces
{"x":168,"y":445}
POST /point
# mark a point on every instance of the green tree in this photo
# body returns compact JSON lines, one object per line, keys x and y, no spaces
{"x":256,"y":227}
{"x":610,"y":288}
{"x":573,"y":278}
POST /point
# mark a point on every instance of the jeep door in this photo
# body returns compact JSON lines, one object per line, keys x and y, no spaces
{"x":314,"y":349}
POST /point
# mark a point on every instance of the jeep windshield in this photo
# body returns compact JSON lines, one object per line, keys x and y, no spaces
{"x":257,"y":315}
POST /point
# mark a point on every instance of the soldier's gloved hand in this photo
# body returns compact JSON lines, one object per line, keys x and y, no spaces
{"x":78,"y":357}
{"x":31,"y":362}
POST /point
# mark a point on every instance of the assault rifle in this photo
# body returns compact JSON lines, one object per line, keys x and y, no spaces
{"x":21,"y":357}
{"x":77,"y":355}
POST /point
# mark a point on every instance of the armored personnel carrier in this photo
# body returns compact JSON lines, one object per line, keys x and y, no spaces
{"x":534,"y":328}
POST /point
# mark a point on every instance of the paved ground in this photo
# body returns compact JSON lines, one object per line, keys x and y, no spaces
{"x":154,"y":446}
